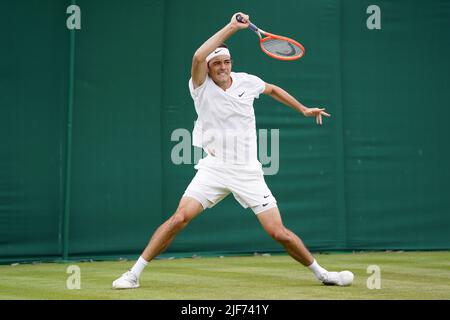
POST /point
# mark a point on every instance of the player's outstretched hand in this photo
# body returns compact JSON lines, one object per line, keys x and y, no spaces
{"x":237,"y":24}
{"x":316,"y":112}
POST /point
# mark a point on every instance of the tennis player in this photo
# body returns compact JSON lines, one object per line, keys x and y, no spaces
{"x":226,"y":130}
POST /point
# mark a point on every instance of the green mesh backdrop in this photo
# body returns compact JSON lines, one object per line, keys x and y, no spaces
{"x":374,"y":177}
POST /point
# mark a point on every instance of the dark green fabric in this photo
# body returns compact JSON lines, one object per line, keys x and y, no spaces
{"x":374,"y":176}
{"x":33,"y":100}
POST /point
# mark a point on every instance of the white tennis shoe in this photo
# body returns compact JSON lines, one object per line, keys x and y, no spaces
{"x":127,"y":281}
{"x":343,"y":278}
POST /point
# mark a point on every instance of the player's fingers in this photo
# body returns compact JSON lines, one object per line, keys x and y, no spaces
{"x":326,"y":114}
{"x":245,"y":17}
{"x":320,"y":119}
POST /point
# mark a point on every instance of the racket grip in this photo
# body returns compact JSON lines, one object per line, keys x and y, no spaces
{"x":251,"y":26}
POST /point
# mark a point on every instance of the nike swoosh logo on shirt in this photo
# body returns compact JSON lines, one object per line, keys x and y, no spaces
{"x":240,"y":95}
{"x":266,"y":196}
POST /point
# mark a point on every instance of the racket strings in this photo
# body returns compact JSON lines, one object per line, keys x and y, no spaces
{"x":282,"y":48}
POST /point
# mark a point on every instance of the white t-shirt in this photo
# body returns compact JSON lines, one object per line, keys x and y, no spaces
{"x":226,"y":127}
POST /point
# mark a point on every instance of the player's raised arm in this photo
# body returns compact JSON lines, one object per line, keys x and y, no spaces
{"x":199,"y":66}
{"x":282,"y":96}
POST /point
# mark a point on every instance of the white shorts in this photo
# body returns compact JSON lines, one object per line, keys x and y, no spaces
{"x":214,"y":181}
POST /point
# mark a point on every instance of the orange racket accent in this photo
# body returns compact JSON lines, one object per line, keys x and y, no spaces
{"x":275,"y":46}
{"x":274,"y":36}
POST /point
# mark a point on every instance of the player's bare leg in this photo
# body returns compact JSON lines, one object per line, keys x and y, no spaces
{"x":273,"y":225}
{"x":187,"y":210}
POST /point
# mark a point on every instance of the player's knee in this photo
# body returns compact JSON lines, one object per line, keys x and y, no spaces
{"x":279,"y":235}
{"x":180,"y":219}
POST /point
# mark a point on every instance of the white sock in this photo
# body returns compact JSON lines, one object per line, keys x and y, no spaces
{"x":317,"y":270}
{"x":139,"y":266}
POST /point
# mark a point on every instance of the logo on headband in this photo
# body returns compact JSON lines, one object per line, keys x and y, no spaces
{"x":217,"y":52}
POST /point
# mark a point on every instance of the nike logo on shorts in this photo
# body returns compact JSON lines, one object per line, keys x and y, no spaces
{"x":266,"y":196}
{"x":265,"y":204}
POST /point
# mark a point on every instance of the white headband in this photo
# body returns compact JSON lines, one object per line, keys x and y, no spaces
{"x":218,"y":52}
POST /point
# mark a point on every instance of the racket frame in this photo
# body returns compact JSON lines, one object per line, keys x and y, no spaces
{"x":269,"y":36}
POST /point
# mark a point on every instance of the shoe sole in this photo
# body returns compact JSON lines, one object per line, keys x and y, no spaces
{"x":124,"y":288}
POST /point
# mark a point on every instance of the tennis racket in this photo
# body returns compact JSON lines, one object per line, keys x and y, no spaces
{"x":275,"y":46}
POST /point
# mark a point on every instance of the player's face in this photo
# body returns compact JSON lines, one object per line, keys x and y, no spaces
{"x":220,"y":69}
